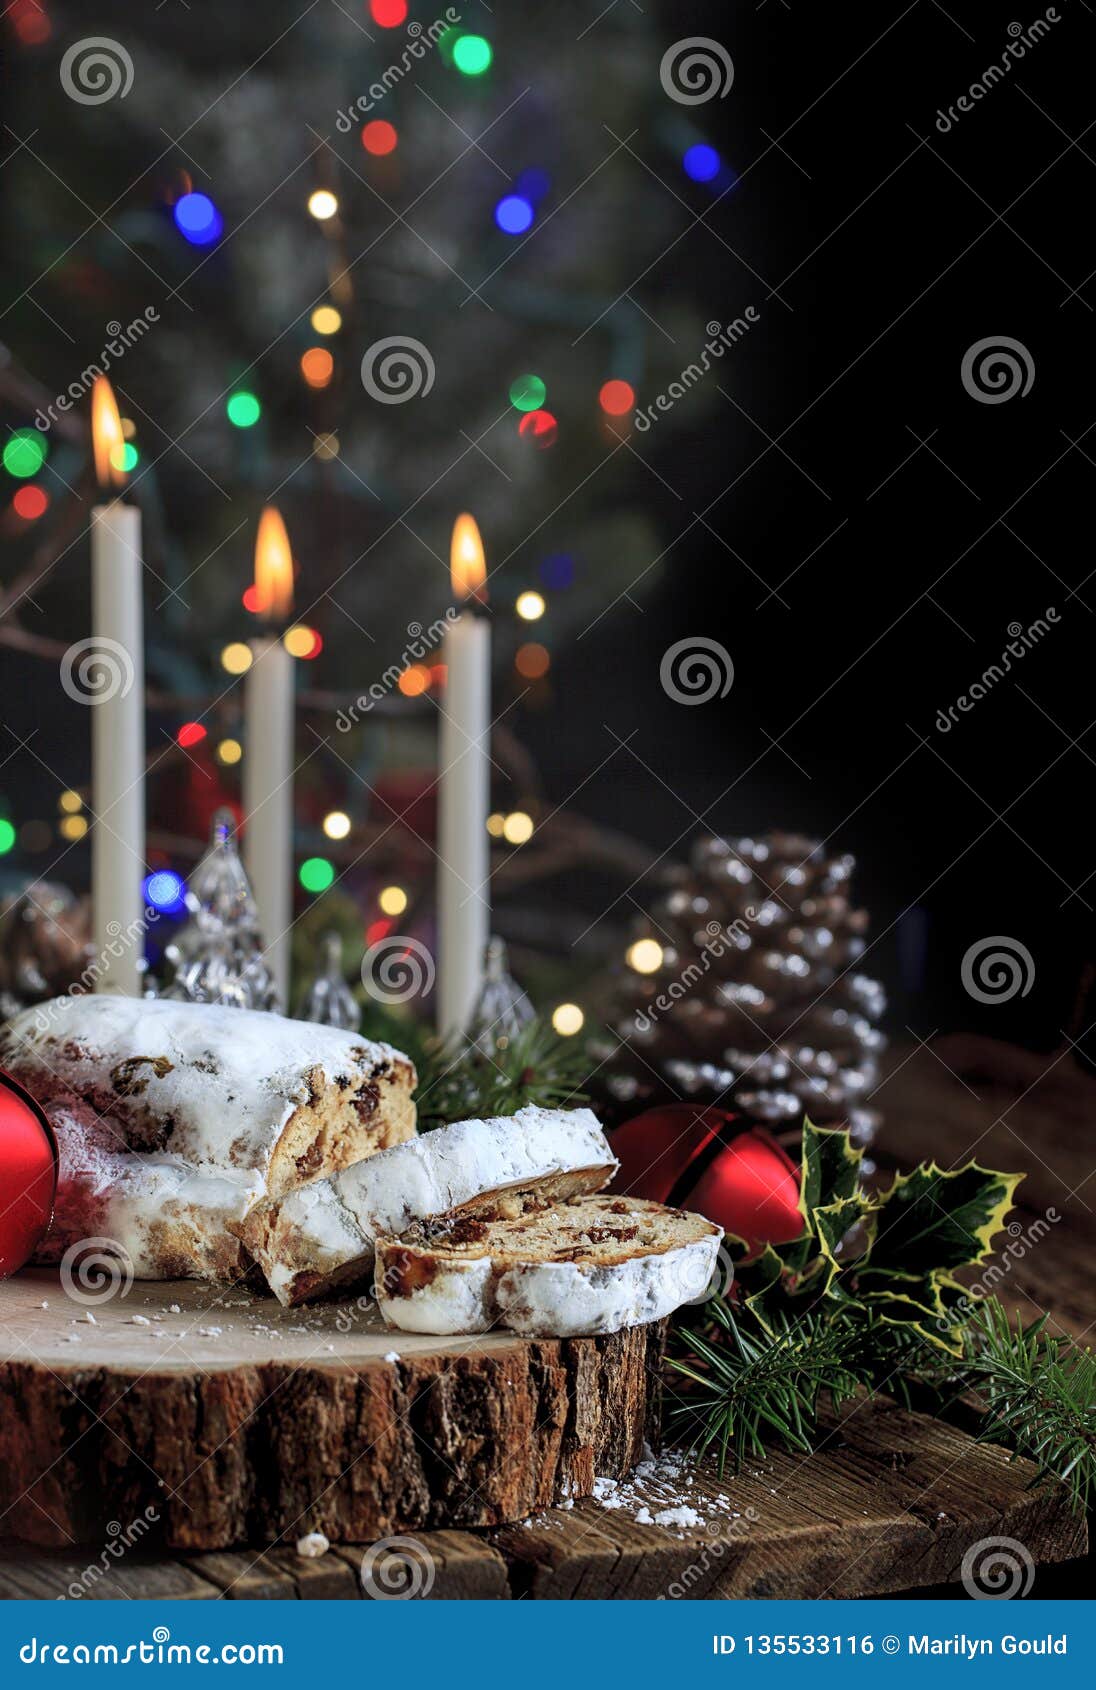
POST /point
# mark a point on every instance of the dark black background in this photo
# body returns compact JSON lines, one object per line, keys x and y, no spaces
{"x":895,"y":264}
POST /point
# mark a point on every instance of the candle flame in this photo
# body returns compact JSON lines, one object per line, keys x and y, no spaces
{"x":106,"y":435}
{"x":273,"y":567}
{"x":467,"y":567}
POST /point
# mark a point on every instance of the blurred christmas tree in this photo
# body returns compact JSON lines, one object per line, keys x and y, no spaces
{"x":382,"y":275}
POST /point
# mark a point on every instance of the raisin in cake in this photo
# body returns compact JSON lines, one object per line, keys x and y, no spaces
{"x":592,"y":1264}
{"x":322,"y":1235}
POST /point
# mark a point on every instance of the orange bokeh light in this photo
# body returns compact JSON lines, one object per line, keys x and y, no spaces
{"x":617,"y":398}
{"x":415,"y":681}
{"x":317,"y":366}
{"x":532,"y":661}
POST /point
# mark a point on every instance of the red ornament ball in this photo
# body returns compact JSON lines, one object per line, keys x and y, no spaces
{"x":697,"y":1158}
{"x":28,"y":1175}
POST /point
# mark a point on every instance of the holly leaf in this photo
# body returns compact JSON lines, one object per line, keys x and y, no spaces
{"x":835,"y":1220}
{"x":934,"y":1307}
{"x":934,"y":1219}
{"x":831,"y":1169}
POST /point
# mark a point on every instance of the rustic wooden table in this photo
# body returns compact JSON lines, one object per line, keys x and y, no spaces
{"x":891,"y":1502}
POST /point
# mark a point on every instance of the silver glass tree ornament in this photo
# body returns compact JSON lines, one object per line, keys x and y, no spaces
{"x":327,"y":998}
{"x":217,"y":954}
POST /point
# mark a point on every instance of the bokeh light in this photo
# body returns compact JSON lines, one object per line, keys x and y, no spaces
{"x":617,"y":398}
{"x":7,"y":836}
{"x":30,"y":503}
{"x":317,"y":366}
{"x":165,"y":891}
{"x":191,"y":733}
{"x":322,"y":204}
{"x":530,"y":606}
{"x":702,"y":163}
{"x":645,"y":956}
{"x":125,"y":457}
{"x":73,"y":827}
{"x":379,"y":138}
{"x":244,"y":409}
{"x":302,"y":641}
{"x":472,"y":55}
{"x":557,"y":571}
{"x":251,"y":599}
{"x":236,"y":658}
{"x":198,"y":219}
{"x":532,"y":661}
{"x":517,"y":828}
{"x":230,"y":751}
{"x":326,"y":320}
{"x":414,"y":681}
{"x":393,"y":900}
{"x":567,"y":1019}
{"x":514,"y":214}
{"x":336,"y":824}
{"x":540,"y":428}
{"x":316,"y":874}
{"x":389,"y":14}
{"x":71,"y":802}
{"x":325,"y":447}
{"x":527,"y":393}
{"x":495,"y":824}
{"x":24,"y":453}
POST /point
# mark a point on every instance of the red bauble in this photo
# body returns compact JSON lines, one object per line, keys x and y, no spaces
{"x":700,"y":1159}
{"x":28,"y":1175}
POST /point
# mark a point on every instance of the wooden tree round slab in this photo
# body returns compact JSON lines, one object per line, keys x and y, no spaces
{"x":221,"y":1418}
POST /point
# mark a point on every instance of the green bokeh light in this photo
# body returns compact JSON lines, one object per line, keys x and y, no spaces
{"x":528,"y":393}
{"x":24,"y":453}
{"x":125,"y":457}
{"x":316,"y":874}
{"x":7,"y":836}
{"x":243,"y":409}
{"x":472,"y":54}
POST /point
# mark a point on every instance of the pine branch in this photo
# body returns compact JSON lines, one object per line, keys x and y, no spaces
{"x":1040,"y":1396}
{"x":746,"y":1384}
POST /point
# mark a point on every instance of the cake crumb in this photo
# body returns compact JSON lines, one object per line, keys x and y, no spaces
{"x":392,"y":1355}
{"x":139,"y":1320}
{"x":173,"y":1308}
{"x":210,"y":1331}
{"x":312,"y":1545}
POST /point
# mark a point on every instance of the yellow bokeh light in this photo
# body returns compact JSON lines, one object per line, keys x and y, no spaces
{"x":517,"y":828}
{"x":567,"y":1018}
{"x":74,"y":827}
{"x":230,"y":751}
{"x":70,"y":802}
{"x":236,"y":658}
{"x":336,"y":824}
{"x":495,"y":824}
{"x":393,"y":900}
{"x":530,"y":606}
{"x":645,"y":956}
{"x":322,"y":204}
{"x":326,"y":320}
{"x":325,"y":447}
{"x":298,"y":641}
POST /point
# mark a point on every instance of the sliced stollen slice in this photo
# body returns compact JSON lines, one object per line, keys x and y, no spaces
{"x":590,"y":1265}
{"x":236,"y":1089}
{"x":322,"y":1235}
{"x":158,"y":1215}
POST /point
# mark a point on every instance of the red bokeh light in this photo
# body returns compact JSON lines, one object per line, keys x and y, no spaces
{"x":251,"y":600}
{"x":540,"y":427}
{"x":617,"y":398}
{"x":379,"y":138}
{"x":30,"y":503}
{"x":388,"y":13}
{"x":378,"y":930}
{"x":191,"y":733}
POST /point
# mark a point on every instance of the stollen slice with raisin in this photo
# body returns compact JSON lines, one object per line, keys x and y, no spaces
{"x":590,"y":1265}
{"x":321,"y":1236}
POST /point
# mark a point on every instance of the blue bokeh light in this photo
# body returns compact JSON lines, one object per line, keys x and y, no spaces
{"x":514,"y":214}
{"x":702,"y":163}
{"x":165,"y":891}
{"x":198,"y":219}
{"x":557,"y":571}
{"x":533,"y":184}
